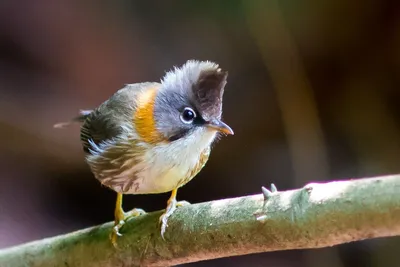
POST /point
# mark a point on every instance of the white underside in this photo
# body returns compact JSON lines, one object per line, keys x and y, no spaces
{"x":168,"y":164}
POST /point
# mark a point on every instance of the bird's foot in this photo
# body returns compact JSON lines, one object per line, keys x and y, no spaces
{"x":120,"y":218}
{"x":182,"y":203}
{"x":171,"y":207}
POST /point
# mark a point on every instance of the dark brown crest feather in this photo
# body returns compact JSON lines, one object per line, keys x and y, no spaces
{"x":208,"y":92}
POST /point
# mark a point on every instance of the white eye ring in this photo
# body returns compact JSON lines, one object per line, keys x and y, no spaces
{"x":188,"y":115}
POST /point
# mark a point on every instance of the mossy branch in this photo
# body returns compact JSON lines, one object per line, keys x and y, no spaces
{"x":318,"y":215}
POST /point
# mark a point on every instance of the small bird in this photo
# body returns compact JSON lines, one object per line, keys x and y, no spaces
{"x":151,"y":137}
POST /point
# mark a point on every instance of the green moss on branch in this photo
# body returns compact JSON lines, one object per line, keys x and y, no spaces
{"x":317,"y":215}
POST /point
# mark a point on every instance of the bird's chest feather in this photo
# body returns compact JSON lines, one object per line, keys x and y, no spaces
{"x":172,"y":165}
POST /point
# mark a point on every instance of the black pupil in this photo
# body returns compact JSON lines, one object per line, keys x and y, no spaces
{"x":188,"y":115}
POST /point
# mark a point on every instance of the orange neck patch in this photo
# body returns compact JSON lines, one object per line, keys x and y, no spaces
{"x":144,"y":117}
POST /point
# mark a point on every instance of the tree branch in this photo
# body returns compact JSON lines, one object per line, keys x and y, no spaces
{"x":318,"y":215}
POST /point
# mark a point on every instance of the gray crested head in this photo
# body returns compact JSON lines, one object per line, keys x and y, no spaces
{"x":190,"y":97}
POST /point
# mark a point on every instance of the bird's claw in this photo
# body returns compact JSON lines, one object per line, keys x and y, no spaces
{"x":117,"y":227}
{"x":133,"y":213}
{"x":171,"y":207}
{"x":115,"y":233}
{"x":182,"y":203}
{"x":164,"y":224}
{"x":121,"y":220}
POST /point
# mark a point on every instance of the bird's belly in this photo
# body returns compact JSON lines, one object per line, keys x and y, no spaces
{"x":164,"y":175}
{"x":162,"y":182}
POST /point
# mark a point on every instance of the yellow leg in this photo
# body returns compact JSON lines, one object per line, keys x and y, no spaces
{"x":119,"y":212}
{"x":172,"y":198}
{"x":120,"y":217}
{"x":171,"y":207}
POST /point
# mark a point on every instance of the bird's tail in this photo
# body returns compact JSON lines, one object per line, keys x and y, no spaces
{"x":78,"y":119}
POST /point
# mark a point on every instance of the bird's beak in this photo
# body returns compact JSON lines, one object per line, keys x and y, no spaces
{"x":220,"y":126}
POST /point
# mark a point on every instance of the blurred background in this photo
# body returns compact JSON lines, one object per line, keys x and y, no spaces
{"x":312,"y":95}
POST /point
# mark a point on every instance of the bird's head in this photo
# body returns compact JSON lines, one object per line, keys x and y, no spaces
{"x":189,"y":102}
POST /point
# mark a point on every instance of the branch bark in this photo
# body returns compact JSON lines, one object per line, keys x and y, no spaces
{"x":317,"y":215}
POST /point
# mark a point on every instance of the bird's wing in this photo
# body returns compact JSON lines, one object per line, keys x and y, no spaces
{"x":113,"y":117}
{"x":115,"y":163}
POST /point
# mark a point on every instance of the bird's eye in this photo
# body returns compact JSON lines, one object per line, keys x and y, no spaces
{"x":188,"y":115}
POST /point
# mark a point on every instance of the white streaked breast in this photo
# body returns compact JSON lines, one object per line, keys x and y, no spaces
{"x":164,"y":166}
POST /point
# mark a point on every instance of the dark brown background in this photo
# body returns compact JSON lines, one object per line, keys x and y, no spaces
{"x":312,"y":95}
